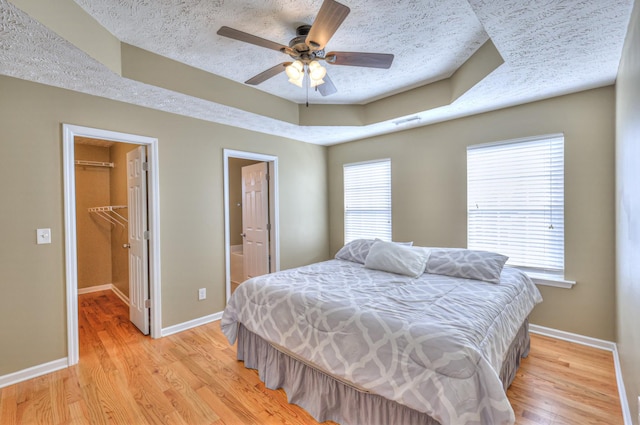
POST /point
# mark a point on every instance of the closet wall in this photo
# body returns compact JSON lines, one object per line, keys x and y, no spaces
{"x":102,"y":259}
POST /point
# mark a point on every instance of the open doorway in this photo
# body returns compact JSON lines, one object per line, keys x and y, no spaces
{"x":111,"y":216}
{"x":247,"y":243}
{"x":147,"y":231}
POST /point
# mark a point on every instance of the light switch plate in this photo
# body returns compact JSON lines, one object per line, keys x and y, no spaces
{"x":202,"y":294}
{"x":43,"y":236}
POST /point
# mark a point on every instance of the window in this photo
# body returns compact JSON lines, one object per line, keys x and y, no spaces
{"x":367,"y":200}
{"x":515,"y":197}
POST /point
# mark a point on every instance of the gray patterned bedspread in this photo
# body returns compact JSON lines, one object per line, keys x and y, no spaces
{"x":434,"y":343}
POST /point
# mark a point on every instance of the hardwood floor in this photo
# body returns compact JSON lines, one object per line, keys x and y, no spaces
{"x":193,"y":378}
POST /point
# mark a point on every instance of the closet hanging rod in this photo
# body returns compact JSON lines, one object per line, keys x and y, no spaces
{"x":94,"y":163}
{"x":103,"y":212}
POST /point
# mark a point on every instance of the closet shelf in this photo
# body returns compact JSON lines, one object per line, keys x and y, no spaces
{"x":94,"y":163}
{"x":109,"y":214}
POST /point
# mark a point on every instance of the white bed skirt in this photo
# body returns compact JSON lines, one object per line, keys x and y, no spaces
{"x":327,"y":398}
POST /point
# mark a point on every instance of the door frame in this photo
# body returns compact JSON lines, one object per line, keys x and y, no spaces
{"x":69,"y":132}
{"x":274,"y":210}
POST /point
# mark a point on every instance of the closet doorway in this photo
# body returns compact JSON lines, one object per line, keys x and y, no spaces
{"x":111,"y":218}
{"x":251,"y":216}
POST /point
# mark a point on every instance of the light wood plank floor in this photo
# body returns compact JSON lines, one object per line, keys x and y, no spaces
{"x":193,"y":378}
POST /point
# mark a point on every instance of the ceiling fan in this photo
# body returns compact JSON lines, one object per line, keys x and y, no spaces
{"x":307,"y":48}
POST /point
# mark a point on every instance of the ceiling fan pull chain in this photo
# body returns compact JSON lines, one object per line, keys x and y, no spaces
{"x":307,"y":85}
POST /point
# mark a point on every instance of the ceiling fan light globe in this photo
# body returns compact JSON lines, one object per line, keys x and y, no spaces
{"x":294,"y":71}
{"x":314,"y":83}
{"x":316,"y":71}
{"x":296,"y":81}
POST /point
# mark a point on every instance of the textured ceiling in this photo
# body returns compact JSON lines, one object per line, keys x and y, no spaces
{"x":430,"y":39}
{"x":550,"y":47}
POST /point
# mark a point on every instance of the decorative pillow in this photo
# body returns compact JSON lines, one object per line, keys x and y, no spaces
{"x":410,"y":243}
{"x":394,"y":258}
{"x":355,"y":251}
{"x":466,"y":263}
{"x":358,"y":249}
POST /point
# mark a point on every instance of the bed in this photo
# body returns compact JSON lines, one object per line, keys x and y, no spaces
{"x":387,"y":334}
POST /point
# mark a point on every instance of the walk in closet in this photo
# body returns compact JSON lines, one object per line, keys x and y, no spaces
{"x":102,"y":216}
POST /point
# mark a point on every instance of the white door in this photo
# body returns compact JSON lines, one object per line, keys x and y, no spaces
{"x":138,"y":243}
{"x":255,"y":219}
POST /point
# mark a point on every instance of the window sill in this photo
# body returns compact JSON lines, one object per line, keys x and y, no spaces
{"x":550,"y":280}
{"x":547,"y":279}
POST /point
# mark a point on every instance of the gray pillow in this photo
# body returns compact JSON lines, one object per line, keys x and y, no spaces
{"x":466,"y":263}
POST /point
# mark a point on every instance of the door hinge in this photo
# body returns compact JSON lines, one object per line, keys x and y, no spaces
{"x":145,"y":235}
{"x":268,"y":176}
{"x":147,"y":303}
{"x":268,"y":227}
{"x":145,"y":166}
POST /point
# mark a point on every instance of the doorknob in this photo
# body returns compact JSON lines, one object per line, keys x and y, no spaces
{"x":126,"y":245}
{"x":244,"y":235}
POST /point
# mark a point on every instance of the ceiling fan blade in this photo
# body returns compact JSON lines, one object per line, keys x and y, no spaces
{"x":330,"y":17}
{"x":369,"y":60}
{"x":327,"y":88}
{"x":251,"y":39}
{"x":265,"y":75}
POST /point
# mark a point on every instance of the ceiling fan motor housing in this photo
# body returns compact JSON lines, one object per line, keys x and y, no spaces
{"x":300,"y":49}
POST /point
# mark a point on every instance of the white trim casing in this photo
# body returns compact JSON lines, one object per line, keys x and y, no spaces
{"x":69,"y":133}
{"x":275,"y":224}
{"x":596,"y":343}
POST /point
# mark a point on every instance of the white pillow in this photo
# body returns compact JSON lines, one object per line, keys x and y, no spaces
{"x":394,"y":258}
{"x":410,"y":243}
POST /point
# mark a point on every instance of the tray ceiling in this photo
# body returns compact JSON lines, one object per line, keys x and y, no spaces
{"x":549,"y":48}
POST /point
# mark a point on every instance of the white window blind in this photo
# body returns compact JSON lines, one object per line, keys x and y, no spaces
{"x":515,"y":194}
{"x":367,"y":200}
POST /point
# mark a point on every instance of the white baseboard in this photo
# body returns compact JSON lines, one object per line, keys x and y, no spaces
{"x":596,"y":343}
{"x":97,"y":288}
{"x":191,"y":324}
{"x":120,"y":294}
{"x":33,"y":372}
{"x":571,"y":337}
{"x":105,"y":287}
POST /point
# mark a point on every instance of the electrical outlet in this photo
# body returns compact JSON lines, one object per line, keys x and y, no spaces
{"x":202,"y":294}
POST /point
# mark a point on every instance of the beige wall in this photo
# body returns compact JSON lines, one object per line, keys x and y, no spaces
{"x":235,"y":198}
{"x":32,"y":283}
{"x":628,"y":212}
{"x":428,"y":167}
{"x":119,"y":234}
{"x":93,"y":232}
